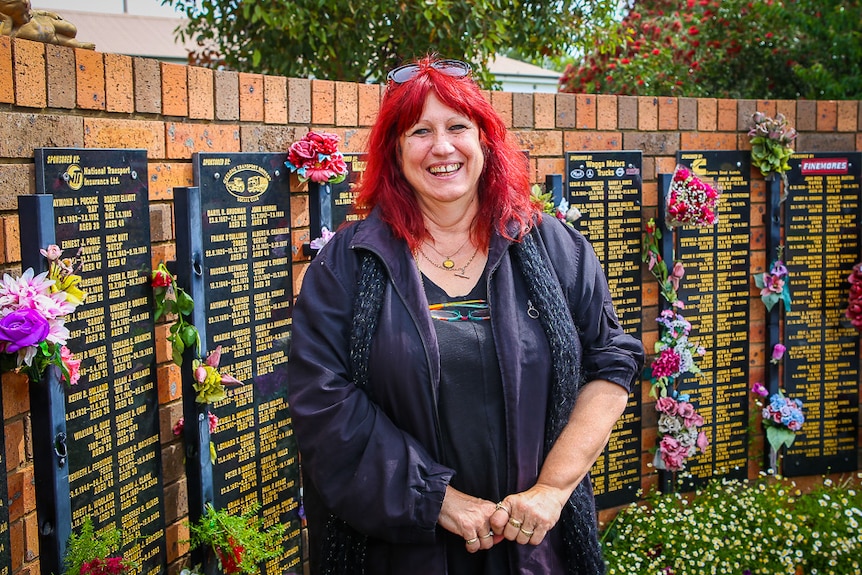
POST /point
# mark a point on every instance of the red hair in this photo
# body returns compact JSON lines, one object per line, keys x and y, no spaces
{"x":504,"y":186}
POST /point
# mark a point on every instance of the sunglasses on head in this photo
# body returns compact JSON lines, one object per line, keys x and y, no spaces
{"x":453,"y":68}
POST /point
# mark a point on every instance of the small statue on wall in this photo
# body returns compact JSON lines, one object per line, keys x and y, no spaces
{"x":18,"y":20}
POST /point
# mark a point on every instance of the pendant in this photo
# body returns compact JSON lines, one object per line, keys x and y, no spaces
{"x":448,"y":264}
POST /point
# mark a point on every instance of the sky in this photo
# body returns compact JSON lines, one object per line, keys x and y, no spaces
{"x":139,"y":7}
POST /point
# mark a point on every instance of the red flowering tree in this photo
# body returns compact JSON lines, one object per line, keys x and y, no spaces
{"x":729,"y":48}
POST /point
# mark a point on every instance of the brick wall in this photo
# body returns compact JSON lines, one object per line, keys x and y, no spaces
{"x":52,"y":96}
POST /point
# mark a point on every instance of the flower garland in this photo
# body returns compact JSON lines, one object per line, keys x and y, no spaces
{"x":782,"y":418}
{"x":690,"y":200}
{"x":774,"y":285}
{"x":854,"y":303}
{"x":33,"y":313}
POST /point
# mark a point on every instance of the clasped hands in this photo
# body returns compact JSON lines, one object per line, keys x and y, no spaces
{"x":524,"y":518}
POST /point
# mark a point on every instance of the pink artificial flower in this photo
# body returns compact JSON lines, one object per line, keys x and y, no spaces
{"x":666,"y":405}
{"x":179,"y":426}
{"x":666,"y":364}
{"x":777,"y":353}
{"x":702,"y":442}
{"x":759,"y":389}
{"x":73,"y":366}
{"x":771,"y":284}
{"x":693,"y":420}
{"x":676,"y":275}
{"x":213,"y":422}
{"x":685,"y":410}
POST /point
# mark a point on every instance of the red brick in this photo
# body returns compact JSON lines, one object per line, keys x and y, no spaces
{"x":576,"y":141}
{"x":226,"y":95}
{"x":707,"y":114}
{"x":16,"y":544}
{"x":172,"y":462}
{"x":162,"y":346}
{"x":148,"y":85}
{"x":322,"y":102}
{"x":668,"y":113}
{"x":15,"y":180}
{"x":22,"y":493}
{"x":827,"y":116}
{"x":298,"y":100}
{"x":543,"y":111}
{"x":119,"y":84}
{"x":184,"y":139}
{"x":606,"y":112}
{"x":61,"y":76}
{"x":522,"y":110}
{"x":161,"y":224}
{"x":547,"y":166}
{"x":15,"y":453}
{"x":352,"y":140}
{"x":346,"y":104}
{"x":31,"y":538}
{"x":7,"y":85}
{"x":627,"y":117}
{"x":175,"y":91}
{"x":502,"y":102}
{"x":369,"y":104}
{"x":546,"y":143}
{"x":169,"y":415}
{"x":806,"y":116}
{"x":687,"y":114}
{"x":299,"y":210}
{"x":847,"y":116}
{"x":29,"y":67}
{"x":201,"y":93}
{"x":727,"y":120}
{"x":647,"y":113}
{"x":585,"y":111}
{"x":90,"y":79}
{"x":108,"y":133}
{"x":12,"y":229}
{"x":166,"y":176}
{"x":707,"y":141}
{"x":162,"y":253}
{"x":565,"y":105}
{"x":176,"y":539}
{"x":275,"y":100}
{"x":170,"y":382}
{"x":176,"y":500}
{"x":768,"y":107}
{"x":788,"y":108}
{"x":299,"y":272}
{"x":250,"y":97}
{"x":650,"y":195}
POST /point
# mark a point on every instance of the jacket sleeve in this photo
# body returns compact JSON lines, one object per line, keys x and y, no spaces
{"x":609,"y":352}
{"x":368,"y":471}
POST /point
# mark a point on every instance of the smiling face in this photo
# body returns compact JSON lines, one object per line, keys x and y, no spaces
{"x":441,"y":157}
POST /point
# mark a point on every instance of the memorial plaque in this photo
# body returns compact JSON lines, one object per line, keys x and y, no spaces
{"x":715,"y":290}
{"x":821,"y":366}
{"x":102,"y":213}
{"x":245,"y":205}
{"x":331,"y":205}
{"x":606,"y":187}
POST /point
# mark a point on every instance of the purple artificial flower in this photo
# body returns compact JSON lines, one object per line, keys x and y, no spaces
{"x":777,"y":353}
{"x":759,"y":389}
{"x":22,"y":328}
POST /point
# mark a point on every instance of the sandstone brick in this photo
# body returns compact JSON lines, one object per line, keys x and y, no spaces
{"x":163,"y":177}
{"x":322,"y":102}
{"x":176,"y":540}
{"x":565,"y":105}
{"x":502,"y":102}
{"x":7,"y":85}
{"x":687,"y":114}
{"x":847,"y":116}
{"x":161,"y":224}
{"x":61,"y":76}
{"x":346,"y":104}
{"x":369,"y":103}
{"x":119,"y":84}
{"x":744,"y":110}
{"x":251,"y":97}
{"x":109,"y":133}
{"x":15,"y":452}
{"x":90,"y":79}
{"x":546,"y":143}
{"x":707,"y":141}
{"x":176,"y":500}
{"x":668,"y":113}
{"x":20,"y":134}
{"x":148,"y":85}
{"x":15,"y":180}
{"x":267,"y":138}
{"x":12,"y":229}
{"x":576,"y":141}
{"x":806,"y":116}
{"x":827,"y":116}
{"x":298,"y":101}
{"x":169,"y":415}
{"x":707,"y":114}
{"x":647,"y":113}
{"x":175,"y":91}
{"x":170,"y":383}
{"x":652,"y":144}
{"x":828,"y":142}
{"x":22,"y":493}
{"x":173,"y":465}
{"x":543,"y":111}
{"x":201,"y":93}
{"x":274,"y":100}
{"x":522,"y":110}
{"x":28,"y":62}
{"x":226,"y":95}
{"x":606,"y":112}
{"x":585,"y":111}
{"x":299,"y":210}
{"x":726,"y":115}
{"x":184,"y":139}
{"x":627,"y":116}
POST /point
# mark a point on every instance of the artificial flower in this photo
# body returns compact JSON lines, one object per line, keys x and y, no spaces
{"x":854,"y":302}
{"x":73,"y":366}
{"x":774,"y":285}
{"x":771,"y":144}
{"x":316,"y":157}
{"x":209,"y":383}
{"x":691,"y":200}
{"x":777,"y":353}
{"x":759,"y":389}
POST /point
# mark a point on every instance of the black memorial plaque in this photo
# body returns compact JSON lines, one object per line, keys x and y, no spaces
{"x":331,"y":205}
{"x":102,"y":212}
{"x":245,"y":205}
{"x":715,"y":290}
{"x":607,"y":187}
{"x":822,"y":362}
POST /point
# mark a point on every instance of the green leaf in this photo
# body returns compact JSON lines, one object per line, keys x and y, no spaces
{"x":779,"y":436}
{"x":185,"y":304}
{"x":189,"y":335}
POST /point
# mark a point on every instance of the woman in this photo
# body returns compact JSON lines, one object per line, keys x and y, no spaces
{"x":438,"y":349}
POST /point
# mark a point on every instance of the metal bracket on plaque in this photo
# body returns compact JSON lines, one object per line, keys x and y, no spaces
{"x":47,"y":406}
{"x":189,"y":272}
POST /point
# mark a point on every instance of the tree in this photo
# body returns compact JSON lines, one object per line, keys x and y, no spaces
{"x":359,"y":40}
{"x":729,"y":48}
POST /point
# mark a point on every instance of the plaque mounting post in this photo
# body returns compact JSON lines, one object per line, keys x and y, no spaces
{"x":666,"y":247}
{"x":199,"y":471}
{"x":47,"y":406}
{"x":554,"y":184}
{"x":772,"y":223}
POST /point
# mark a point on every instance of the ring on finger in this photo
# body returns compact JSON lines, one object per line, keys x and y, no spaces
{"x":471,"y":541}
{"x":490,"y":534}
{"x":514,"y":523}
{"x":526,"y":532}
{"x":503,"y":507}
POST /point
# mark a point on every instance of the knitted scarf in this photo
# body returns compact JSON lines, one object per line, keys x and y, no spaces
{"x":344,"y":547}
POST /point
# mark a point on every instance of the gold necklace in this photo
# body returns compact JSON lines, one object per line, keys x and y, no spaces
{"x":459,"y":272}
{"x":448,"y":262}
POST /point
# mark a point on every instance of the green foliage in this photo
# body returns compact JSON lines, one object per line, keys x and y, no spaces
{"x":729,"y":48}
{"x":360,"y":40}
{"x":88,"y":545}
{"x":170,"y":299}
{"x":764,"y":527}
